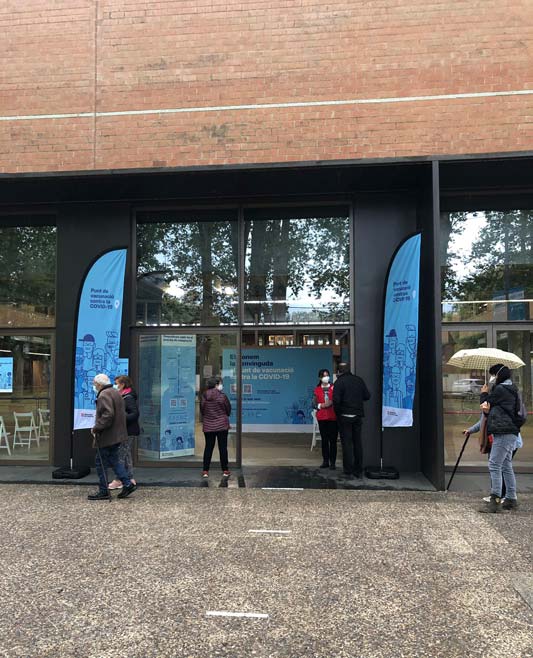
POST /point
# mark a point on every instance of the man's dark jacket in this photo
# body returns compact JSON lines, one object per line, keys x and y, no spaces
{"x":110,"y":422}
{"x":503,"y":406}
{"x":349,"y":393}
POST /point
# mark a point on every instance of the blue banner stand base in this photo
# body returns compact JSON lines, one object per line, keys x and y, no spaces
{"x":381,"y":473}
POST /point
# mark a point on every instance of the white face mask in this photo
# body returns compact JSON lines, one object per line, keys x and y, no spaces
{"x":220,"y":387}
{"x":492,"y":379}
{"x":325,"y":379}
{"x":95,"y":389}
{"x":115,"y":386}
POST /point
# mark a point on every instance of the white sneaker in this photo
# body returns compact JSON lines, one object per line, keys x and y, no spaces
{"x":487,"y":499}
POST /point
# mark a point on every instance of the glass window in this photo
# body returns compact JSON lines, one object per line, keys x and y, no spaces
{"x":27,"y":276}
{"x":461,"y":389}
{"x":297,"y":266}
{"x":173,"y":373}
{"x":487,"y":266}
{"x":187,"y":269}
{"x":25,"y":378}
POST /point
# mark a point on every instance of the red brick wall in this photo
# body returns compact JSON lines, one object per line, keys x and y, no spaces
{"x":85,"y":56}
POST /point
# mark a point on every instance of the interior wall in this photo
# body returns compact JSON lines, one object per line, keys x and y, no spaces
{"x":381,"y":223}
{"x":84,"y":231}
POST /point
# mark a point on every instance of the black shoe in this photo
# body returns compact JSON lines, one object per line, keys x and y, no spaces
{"x":126,"y":491}
{"x":332,"y":467}
{"x":324,"y":465}
{"x":509,"y":503}
{"x":99,"y":495}
{"x":493,"y":506}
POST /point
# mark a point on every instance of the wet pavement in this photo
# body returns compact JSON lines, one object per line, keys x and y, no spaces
{"x":239,"y":572}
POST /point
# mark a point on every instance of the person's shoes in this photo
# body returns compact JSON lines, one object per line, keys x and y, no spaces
{"x":116,"y":484}
{"x":324,"y":465}
{"x":509,"y":503}
{"x":99,"y":495}
{"x":332,"y":467}
{"x":493,"y":506}
{"x":486,"y":499}
{"x":205,"y":474}
{"x":126,"y":491}
{"x":226,"y":474}
{"x":133,"y":481}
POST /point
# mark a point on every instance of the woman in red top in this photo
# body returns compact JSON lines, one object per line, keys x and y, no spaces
{"x":327,"y":421}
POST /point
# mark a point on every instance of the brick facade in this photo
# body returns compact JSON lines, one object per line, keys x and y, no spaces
{"x":95,"y":57}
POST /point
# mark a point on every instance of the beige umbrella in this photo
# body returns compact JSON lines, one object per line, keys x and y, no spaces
{"x":482,"y":358}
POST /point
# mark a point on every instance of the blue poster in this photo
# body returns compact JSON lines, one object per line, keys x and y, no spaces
{"x":277,"y":386}
{"x":178,"y":368}
{"x":400,"y":339}
{"x":6,"y":374}
{"x":98,"y":333}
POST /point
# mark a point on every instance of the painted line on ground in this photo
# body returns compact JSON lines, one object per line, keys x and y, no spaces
{"x":225,"y":613}
{"x":271,"y":532}
{"x":282,"y":488}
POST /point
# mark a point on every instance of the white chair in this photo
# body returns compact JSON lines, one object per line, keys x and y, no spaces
{"x":44,"y":424}
{"x":316,"y":432}
{"x":4,"y":436}
{"x":25,"y":425}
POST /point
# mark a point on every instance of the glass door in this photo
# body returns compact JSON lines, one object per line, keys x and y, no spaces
{"x":461,"y":390}
{"x":520,"y":342}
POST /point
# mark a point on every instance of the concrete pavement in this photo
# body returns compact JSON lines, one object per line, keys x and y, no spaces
{"x":331,"y":573}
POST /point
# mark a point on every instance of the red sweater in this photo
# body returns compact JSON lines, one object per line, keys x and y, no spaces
{"x":328,"y":413}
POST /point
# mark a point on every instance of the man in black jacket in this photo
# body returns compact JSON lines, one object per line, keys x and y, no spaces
{"x":349,"y":393}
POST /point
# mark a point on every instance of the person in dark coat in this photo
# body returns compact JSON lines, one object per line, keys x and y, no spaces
{"x":124,"y":386}
{"x":216,"y":409}
{"x":501,"y":406}
{"x":349,"y":394}
{"x":109,"y":431}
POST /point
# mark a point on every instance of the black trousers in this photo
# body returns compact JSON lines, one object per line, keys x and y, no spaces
{"x":210,"y":439}
{"x":328,"y":433}
{"x":352,"y":450}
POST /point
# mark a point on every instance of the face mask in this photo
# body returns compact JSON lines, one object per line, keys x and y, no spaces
{"x":220,"y":387}
{"x":492,"y":379}
{"x":325,"y":379}
{"x":95,"y":389}
{"x":115,"y":386}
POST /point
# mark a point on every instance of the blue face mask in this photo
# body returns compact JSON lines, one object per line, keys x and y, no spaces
{"x":115,"y":386}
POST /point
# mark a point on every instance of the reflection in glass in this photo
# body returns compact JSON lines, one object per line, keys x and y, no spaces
{"x":296,"y":268}
{"x":487,"y":265}
{"x":461,"y":389}
{"x":187,"y":272}
{"x":27,"y":276}
{"x":25,"y":380}
{"x":521,"y":343}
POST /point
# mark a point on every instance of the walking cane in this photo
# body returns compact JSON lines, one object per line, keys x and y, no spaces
{"x":104,"y":469}
{"x":458,"y":460}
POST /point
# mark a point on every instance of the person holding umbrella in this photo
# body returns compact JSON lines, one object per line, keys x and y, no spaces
{"x":500,"y":406}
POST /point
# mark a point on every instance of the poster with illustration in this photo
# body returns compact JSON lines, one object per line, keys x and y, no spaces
{"x":6,"y":374}
{"x":149,"y":396}
{"x":98,"y":332}
{"x":178,"y":365}
{"x":277,"y":386}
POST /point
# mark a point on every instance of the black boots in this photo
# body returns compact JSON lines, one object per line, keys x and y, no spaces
{"x":510,"y":504}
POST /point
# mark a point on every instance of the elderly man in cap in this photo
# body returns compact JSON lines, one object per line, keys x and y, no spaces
{"x":109,"y":432}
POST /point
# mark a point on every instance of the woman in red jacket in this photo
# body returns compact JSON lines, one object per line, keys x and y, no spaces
{"x":327,"y":420}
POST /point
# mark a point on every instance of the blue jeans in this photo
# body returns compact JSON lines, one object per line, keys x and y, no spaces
{"x":500,"y":463}
{"x":110,"y":457}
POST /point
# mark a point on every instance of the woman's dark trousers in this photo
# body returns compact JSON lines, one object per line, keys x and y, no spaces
{"x":328,"y":434}
{"x":210,"y":439}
